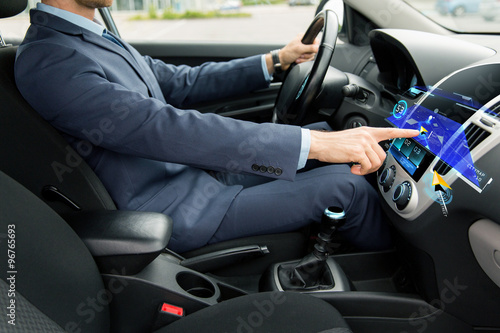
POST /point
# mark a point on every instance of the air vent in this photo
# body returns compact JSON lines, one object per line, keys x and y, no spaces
{"x":493,"y":111}
{"x":474,"y":135}
{"x":442,"y":167}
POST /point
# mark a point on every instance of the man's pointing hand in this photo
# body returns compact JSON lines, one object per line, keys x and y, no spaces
{"x":358,"y":145}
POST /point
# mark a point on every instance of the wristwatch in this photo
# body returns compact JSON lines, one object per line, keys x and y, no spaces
{"x":276,"y":61}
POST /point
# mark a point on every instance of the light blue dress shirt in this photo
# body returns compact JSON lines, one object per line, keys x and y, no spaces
{"x":99,"y":29}
{"x":71,"y":17}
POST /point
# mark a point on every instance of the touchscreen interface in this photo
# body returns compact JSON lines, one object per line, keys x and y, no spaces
{"x":414,"y":158}
{"x":439,"y":118}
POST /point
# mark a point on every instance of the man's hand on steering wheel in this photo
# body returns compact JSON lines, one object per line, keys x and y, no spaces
{"x":302,"y":82}
{"x":294,"y":52}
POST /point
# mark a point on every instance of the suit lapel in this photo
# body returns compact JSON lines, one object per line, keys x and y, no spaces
{"x":129,"y":54}
{"x":126,"y":53}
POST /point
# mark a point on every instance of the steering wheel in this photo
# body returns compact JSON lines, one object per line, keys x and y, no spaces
{"x":303,"y":81}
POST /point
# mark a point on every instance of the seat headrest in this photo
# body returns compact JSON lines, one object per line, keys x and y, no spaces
{"x":10,"y":8}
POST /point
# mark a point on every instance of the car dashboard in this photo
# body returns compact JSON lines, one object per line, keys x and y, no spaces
{"x":439,"y":189}
{"x":447,"y":89}
{"x":457,"y":129}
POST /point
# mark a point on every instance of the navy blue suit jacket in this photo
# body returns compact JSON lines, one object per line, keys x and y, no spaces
{"x":126,"y":115}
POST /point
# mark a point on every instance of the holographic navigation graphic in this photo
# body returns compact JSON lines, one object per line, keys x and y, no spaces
{"x":439,"y":134}
{"x":443,"y":190}
{"x":439,"y":183}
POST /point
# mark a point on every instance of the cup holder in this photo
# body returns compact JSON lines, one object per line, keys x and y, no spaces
{"x":195,"y":285}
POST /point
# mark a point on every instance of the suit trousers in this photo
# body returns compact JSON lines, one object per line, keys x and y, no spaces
{"x":267,"y":206}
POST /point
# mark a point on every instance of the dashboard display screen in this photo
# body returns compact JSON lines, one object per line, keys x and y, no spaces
{"x":414,"y":158}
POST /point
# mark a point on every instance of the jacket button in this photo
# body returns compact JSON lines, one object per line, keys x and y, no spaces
{"x":270,"y":170}
{"x":255,"y":167}
{"x":278,"y":172}
{"x":263,"y":168}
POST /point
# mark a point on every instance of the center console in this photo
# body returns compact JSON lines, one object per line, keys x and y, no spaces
{"x":458,"y":125}
{"x":144,"y":281}
{"x":138,"y":299}
{"x":148,"y":287}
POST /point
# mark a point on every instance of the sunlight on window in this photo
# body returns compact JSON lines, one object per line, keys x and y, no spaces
{"x":247,"y":23}
{"x":463,"y":15}
{"x":273,"y":21}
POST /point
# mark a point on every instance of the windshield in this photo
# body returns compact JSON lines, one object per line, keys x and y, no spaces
{"x":462,"y":15}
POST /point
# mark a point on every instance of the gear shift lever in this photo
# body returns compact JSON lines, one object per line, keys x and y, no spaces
{"x":309,"y":271}
{"x":333,"y":218}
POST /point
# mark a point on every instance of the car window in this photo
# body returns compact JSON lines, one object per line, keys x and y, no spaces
{"x":14,"y":28}
{"x":274,"y":21}
{"x":462,"y":15}
{"x":213,"y":20}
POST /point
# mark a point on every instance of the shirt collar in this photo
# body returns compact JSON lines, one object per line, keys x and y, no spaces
{"x":73,"y":18}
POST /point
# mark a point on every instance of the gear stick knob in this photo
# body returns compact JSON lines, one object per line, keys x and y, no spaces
{"x":334,"y":215}
{"x":333,"y":218}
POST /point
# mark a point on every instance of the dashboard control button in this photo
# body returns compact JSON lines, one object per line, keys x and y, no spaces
{"x":402,"y":195}
{"x":386,"y":179}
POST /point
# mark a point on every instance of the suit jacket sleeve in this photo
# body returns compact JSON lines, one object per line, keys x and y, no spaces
{"x":183,"y":85}
{"x":79,"y":99}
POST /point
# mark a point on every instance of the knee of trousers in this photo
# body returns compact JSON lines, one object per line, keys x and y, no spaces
{"x":356,"y":192}
{"x":361,"y":204}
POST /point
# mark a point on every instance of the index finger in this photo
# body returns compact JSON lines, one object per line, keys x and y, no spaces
{"x":381,"y":134}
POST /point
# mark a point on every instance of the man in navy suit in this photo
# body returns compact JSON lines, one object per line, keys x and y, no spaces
{"x":218,"y":178}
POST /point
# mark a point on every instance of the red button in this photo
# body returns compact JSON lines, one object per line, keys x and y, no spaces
{"x":178,"y":311}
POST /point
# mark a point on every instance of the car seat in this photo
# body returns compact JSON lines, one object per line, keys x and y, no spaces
{"x":50,"y":277}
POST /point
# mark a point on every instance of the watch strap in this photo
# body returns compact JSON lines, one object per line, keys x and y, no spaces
{"x":276,"y":60}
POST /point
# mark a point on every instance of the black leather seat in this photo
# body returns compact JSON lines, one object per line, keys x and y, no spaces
{"x":52,"y":283}
{"x":37,"y":156}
